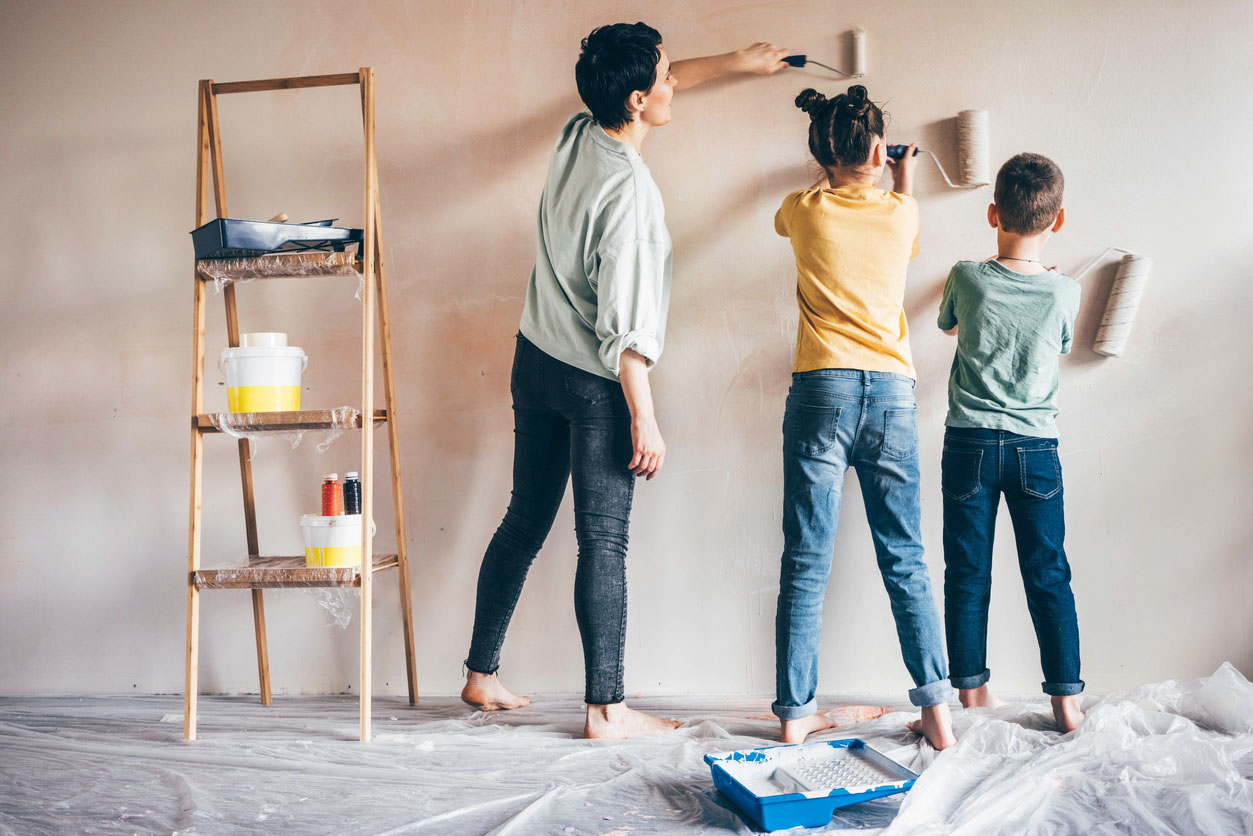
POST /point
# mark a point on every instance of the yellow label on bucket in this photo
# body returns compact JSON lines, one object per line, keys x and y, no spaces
{"x":263,"y":398}
{"x":332,"y":555}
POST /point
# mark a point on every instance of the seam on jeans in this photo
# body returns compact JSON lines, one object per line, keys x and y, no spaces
{"x":543,"y":382}
{"x":978,"y":475}
{"x":1022,"y":472}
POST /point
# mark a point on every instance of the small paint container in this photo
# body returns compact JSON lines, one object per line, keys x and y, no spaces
{"x":333,"y":541}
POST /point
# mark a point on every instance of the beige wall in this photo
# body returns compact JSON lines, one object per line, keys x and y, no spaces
{"x":1145,"y":105}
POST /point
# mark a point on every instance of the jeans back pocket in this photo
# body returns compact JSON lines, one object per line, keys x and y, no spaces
{"x":959,"y":473}
{"x":811,"y":429}
{"x":900,"y":432}
{"x":1041,"y":472}
{"x":586,"y":387}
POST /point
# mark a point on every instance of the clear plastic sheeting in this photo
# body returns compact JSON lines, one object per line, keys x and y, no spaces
{"x":243,"y":425}
{"x":225,"y":271}
{"x":340,"y":603}
{"x":1170,"y":758}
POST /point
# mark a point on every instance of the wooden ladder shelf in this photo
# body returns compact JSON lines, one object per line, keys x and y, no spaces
{"x":257,"y":572}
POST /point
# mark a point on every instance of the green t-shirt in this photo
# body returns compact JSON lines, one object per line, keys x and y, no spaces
{"x":1010,"y":329}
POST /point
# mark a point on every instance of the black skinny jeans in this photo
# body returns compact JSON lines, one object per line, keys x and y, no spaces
{"x":567,"y":423}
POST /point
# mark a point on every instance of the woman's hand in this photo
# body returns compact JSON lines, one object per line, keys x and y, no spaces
{"x":648,"y":449}
{"x":760,"y":58}
{"x":903,"y":171}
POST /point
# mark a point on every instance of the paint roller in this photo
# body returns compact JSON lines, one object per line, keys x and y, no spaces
{"x":859,"y":58}
{"x":1124,"y":300}
{"x":972,"y":151}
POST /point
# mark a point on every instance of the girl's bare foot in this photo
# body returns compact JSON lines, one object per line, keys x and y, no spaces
{"x":1067,"y":713}
{"x":486,"y":693}
{"x":617,"y":722}
{"x":936,"y":725}
{"x":978,"y":698}
{"x":795,"y":731}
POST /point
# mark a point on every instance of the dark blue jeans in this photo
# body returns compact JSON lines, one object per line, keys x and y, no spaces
{"x":567,"y":422}
{"x":979,"y":465}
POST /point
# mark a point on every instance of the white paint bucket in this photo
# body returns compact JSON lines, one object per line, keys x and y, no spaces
{"x":333,"y":541}
{"x":263,"y":379}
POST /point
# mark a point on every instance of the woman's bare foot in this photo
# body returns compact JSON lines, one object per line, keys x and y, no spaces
{"x":936,"y":725}
{"x":486,"y":693}
{"x":978,"y":698}
{"x":1067,"y":713}
{"x":795,"y":731}
{"x":617,"y":722}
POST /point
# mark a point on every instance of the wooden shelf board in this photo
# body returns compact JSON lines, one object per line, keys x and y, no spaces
{"x":269,"y":572}
{"x":280,"y":422}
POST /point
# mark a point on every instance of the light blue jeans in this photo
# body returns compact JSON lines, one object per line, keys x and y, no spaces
{"x":837,"y":418}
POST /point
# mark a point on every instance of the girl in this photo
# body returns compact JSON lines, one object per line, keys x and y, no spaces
{"x":852,"y":404}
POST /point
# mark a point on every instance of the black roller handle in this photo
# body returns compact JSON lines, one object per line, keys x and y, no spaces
{"x":897,"y":152}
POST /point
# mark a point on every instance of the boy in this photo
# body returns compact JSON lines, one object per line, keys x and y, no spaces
{"x":1012,"y":317}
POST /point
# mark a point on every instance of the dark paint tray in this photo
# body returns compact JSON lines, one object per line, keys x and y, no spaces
{"x":232,"y":238}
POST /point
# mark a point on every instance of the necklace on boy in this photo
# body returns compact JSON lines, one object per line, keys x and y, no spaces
{"x":1016,"y":258}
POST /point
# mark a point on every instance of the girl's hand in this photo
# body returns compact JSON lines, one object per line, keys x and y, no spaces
{"x":760,"y":58}
{"x":903,"y":171}
{"x":649,"y":451}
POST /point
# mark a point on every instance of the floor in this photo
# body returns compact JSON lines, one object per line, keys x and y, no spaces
{"x":1176,"y":757}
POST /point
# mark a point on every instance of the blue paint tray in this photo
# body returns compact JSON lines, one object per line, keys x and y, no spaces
{"x":232,"y":238}
{"x":802,"y":786}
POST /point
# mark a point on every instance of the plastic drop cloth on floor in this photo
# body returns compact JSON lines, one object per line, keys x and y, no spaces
{"x":1176,"y":757}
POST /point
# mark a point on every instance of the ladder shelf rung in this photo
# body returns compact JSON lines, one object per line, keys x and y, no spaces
{"x":270,"y":572}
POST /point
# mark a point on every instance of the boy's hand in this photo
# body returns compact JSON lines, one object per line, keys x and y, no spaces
{"x":903,"y":171}
{"x":760,"y":58}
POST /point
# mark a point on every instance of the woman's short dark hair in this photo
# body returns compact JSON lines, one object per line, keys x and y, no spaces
{"x":1028,"y":194}
{"x":616,"y":61}
{"x":841,"y":130}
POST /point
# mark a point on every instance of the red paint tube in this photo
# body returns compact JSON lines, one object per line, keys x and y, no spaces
{"x":332,"y":496}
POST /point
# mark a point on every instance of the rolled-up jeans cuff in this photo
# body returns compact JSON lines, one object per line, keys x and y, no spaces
{"x":467,"y":666}
{"x":794,"y":712}
{"x":1063,"y":689}
{"x":933,"y":693}
{"x":967,"y":683}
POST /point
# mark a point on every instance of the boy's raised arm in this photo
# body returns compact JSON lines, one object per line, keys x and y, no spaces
{"x":760,"y":58}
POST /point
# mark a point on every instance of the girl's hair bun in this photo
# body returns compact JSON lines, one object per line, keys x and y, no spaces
{"x":811,"y":101}
{"x":855,"y":100}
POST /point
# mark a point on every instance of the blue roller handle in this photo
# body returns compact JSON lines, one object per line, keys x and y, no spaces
{"x":795,"y":60}
{"x":897,"y":152}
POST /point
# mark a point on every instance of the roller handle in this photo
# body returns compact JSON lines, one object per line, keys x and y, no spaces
{"x":897,"y":152}
{"x":795,"y":60}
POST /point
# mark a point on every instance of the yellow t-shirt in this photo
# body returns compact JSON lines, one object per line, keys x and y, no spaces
{"x":853,"y":245}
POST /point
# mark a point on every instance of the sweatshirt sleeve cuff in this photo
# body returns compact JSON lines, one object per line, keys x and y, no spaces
{"x":641,"y":342}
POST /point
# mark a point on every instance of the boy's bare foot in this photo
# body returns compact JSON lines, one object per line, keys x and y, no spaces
{"x":486,"y":693}
{"x":1067,"y":713}
{"x":795,"y":731}
{"x":978,"y":698}
{"x":617,"y":722}
{"x":936,"y":725}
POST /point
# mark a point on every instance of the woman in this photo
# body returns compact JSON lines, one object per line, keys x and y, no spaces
{"x":593,"y":325}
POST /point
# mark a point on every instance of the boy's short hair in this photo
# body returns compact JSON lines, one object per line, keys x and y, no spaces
{"x":1028,"y":194}
{"x":616,"y":61}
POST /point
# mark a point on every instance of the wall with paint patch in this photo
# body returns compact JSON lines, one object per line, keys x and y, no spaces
{"x":97,"y":161}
